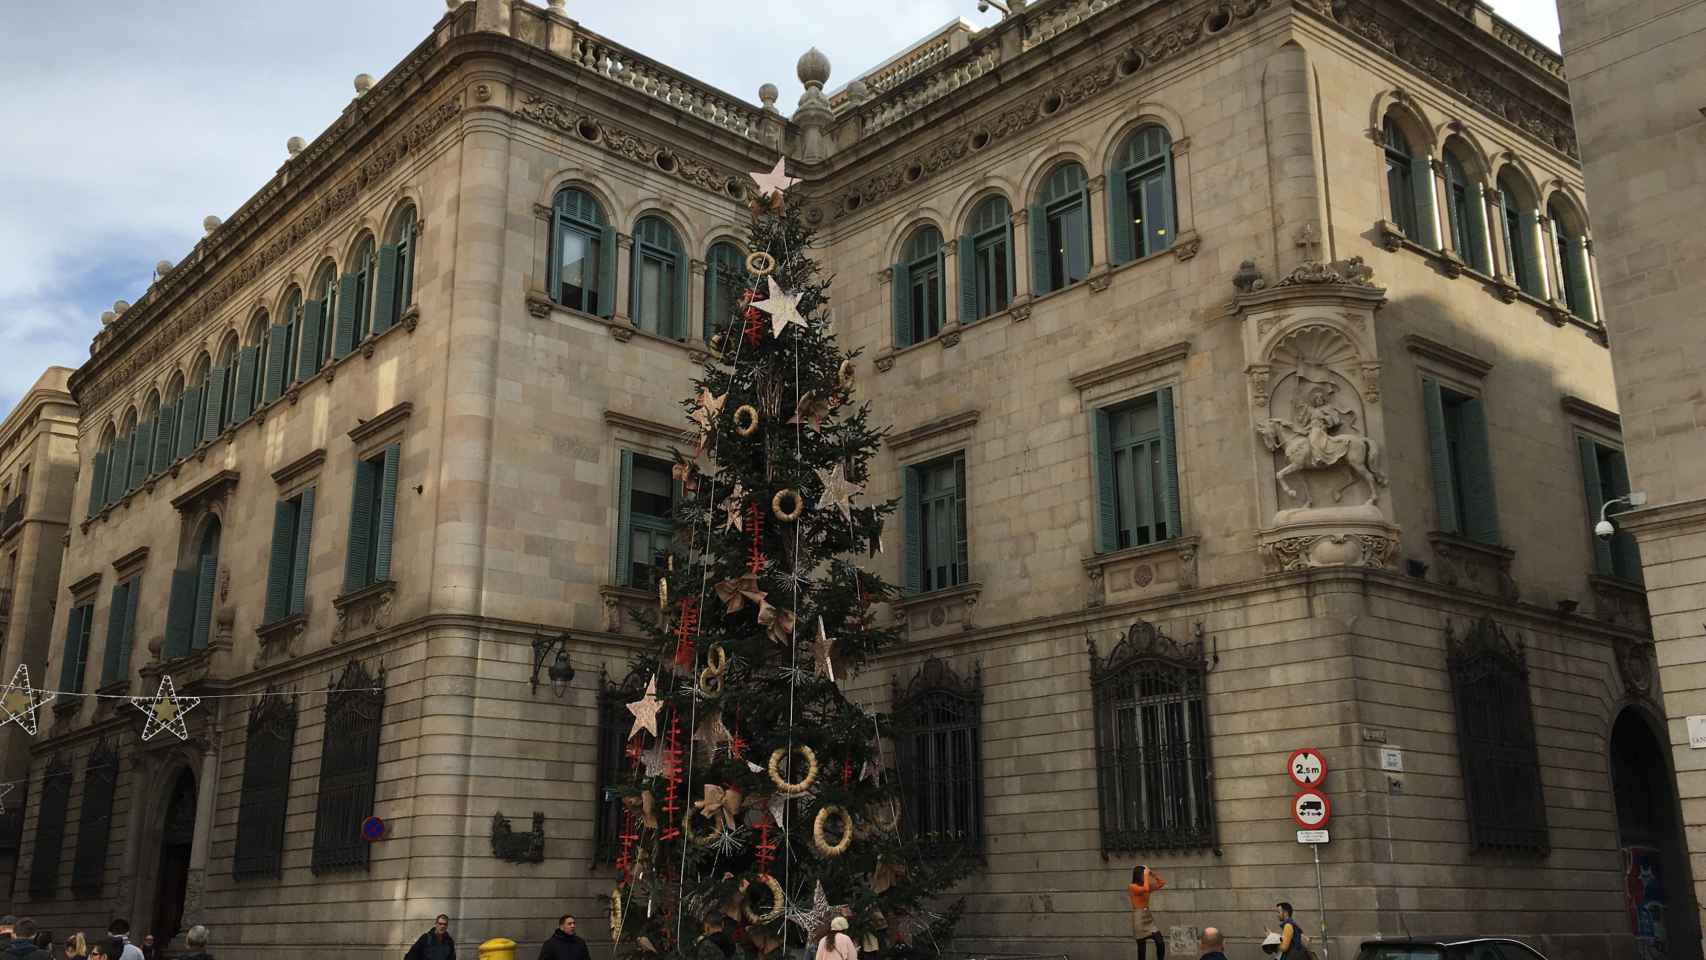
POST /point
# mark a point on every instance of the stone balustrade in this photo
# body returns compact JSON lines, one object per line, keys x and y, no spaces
{"x":592,"y":52}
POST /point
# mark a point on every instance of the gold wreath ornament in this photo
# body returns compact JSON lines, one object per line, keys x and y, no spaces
{"x":710,"y":683}
{"x":746,"y":419}
{"x":885,"y":816}
{"x":800,"y":786}
{"x":693,"y":836}
{"x":720,"y":806}
{"x":820,"y":841}
{"x":796,"y":505}
{"x":760,"y":264}
{"x":774,"y":912}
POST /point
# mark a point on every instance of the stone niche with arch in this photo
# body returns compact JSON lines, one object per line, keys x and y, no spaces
{"x":1318,"y":428}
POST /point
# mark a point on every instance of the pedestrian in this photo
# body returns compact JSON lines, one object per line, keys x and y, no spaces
{"x":98,"y":951}
{"x":1212,"y":946}
{"x":150,"y":951}
{"x":7,"y":922}
{"x":1291,"y":945}
{"x":564,"y":944}
{"x":44,"y":940}
{"x":435,"y":944}
{"x":1144,"y":883}
{"x":196,"y":942}
{"x":76,"y":948}
{"x":119,"y":930}
{"x":837,"y":945}
{"x":23,"y":945}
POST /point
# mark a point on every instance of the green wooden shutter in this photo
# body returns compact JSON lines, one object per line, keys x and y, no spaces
{"x":1530,"y":253}
{"x":634,"y":297}
{"x":360,"y":523}
{"x":1422,"y":189}
{"x":304,"y":539}
{"x":1102,"y":461}
{"x":939,"y":289}
{"x":115,"y":633}
{"x":207,"y":580}
{"x":1580,"y":292}
{"x":180,"y":614}
{"x":966,"y":256}
{"x":277,"y":359}
{"x":680,"y":302}
{"x":900,"y":298}
{"x":962,"y":525}
{"x":243,"y":403}
{"x":624,"y":528}
{"x":1480,"y":508}
{"x":141,"y":445}
{"x":214,"y":405}
{"x":118,"y":470}
{"x":1439,"y":457}
{"x":1591,"y":485}
{"x":1476,"y":229}
{"x":1170,"y":462}
{"x":1012,"y":266}
{"x":189,"y":421}
{"x":1169,"y":201}
{"x":387,"y":513}
{"x":913,"y":507}
{"x":308,"y":354}
{"x":1458,"y":230}
{"x":278,"y":564}
{"x":1121,"y":242}
{"x":70,"y":679}
{"x":1625,"y":551}
{"x":1038,"y":234}
{"x":349,"y":296}
{"x":127,"y":639}
{"x":713,"y":295}
{"x":606,"y":271}
{"x":385,"y":290}
{"x":98,"y":483}
{"x":165,"y":433}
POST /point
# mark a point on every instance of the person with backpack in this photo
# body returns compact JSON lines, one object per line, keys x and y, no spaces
{"x":1291,"y":945}
{"x":1144,"y":883}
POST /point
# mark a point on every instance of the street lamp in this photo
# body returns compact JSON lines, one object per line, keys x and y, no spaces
{"x":560,"y":671}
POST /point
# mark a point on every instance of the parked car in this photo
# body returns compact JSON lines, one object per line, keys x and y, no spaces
{"x":1448,"y":948}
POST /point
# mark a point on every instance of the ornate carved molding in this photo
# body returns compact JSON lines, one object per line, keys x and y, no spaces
{"x":132,"y":559}
{"x":297,"y":468}
{"x":212,"y":490}
{"x":929,"y":615}
{"x":1186,"y":245}
{"x":692,"y":170}
{"x":1635,"y":665}
{"x":1287,"y":554}
{"x":364,"y":612}
{"x":937,"y":675}
{"x":1620,"y":602}
{"x":279,"y":639}
{"x":1150,"y":570}
{"x":1470,"y":565}
{"x":1353,"y":273}
{"x":1144,"y":641}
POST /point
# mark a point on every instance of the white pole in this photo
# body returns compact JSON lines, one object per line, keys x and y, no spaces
{"x":1320,"y":899}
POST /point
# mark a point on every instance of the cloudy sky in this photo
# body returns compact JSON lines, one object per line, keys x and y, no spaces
{"x":128,"y":123}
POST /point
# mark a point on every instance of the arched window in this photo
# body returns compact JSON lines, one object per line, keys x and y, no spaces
{"x":158,"y":447}
{"x":1140,"y":195}
{"x":1520,"y":227}
{"x":582,"y":262}
{"x":724,"y":270}
{"x":939,"y":750}
{"x":251,"y":368}
{"x":1495,"y":740}
{"x":171,"y":423}
{"x":192,"y":416}
{"x":1409,"y":184}
{"x":1060,"y":230}
{"x":124,"y":478}
{"x":222,"y":394}
{"x":189,"y":614}
{"x":658,"y":281}
{"x":361,"y":306}
{"x":319,"y":314}
{"x":986,"y":260}
{"x":1466,"y":213}
{"x":917,"y":283}
{"x":266,"y":788}
{"x":1572,"y":253}
{"x":283,"y":365}
{"x":396,"y":281}
{"x":101,"y":469}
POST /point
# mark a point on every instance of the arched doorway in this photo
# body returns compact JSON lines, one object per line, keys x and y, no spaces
{"x":1657,"y":883}
{"x":177,"y":835}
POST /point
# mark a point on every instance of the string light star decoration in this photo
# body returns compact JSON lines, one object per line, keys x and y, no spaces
{"x":165,"y":710}
{"x":838,"y":491}
{"x":645,"y":710}
{"x":775,"y":181}
{"x":823,"y":649}
{"x":816,"y":918}
{"x":19,"y":703}
{"x":783,"y":308}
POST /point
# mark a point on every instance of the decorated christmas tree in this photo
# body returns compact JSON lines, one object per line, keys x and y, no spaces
{"x":762,"y":800}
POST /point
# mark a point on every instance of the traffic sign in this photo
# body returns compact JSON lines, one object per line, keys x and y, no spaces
{"x":372,"y":829}
{"x":1311,"y":836}
{"x":1311,"y":809}
{"x":1306,"y":767}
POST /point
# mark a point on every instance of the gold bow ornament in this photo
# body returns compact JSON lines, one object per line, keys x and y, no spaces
{"x":720,"y":806}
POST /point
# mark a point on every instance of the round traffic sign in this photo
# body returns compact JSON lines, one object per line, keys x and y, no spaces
{"x":372,"y":829}
{"x":1311,"y":809}
{"x":1306,"y":767}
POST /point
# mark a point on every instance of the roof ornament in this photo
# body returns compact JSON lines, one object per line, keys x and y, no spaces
{"x":363,"y":83}
{"x":294,"y":145}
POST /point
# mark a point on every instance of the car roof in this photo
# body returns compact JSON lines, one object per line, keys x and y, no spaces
{"x":1440,"y":941}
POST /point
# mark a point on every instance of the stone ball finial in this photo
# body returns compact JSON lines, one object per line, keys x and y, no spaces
{"x":452,"y":4}
{"x":813,"y":68}
{"x":162,"y":267}
{"x":294,"y":145}
{"x":107,"y":317}
{"x":210,"y":223}
{"x":767,"y":95}
{"x":556,"y":5}
{"x":119,"y":307}
{"x":363,"y":83}
{"x":857,"y":92}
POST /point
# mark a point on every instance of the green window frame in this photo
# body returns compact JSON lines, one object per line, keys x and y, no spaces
{"x":581,"y":261}
{"x":394,"y":284}
{"x":78,"y":627}
{"x":287,"y":565}
{"x":189,"y":610}
{"x":1466,"y":215}
{"x":1141,"y":201}
{"x":322,"y":316}
{"x":121,"y":631}
{"x":937,"y":554}
{"x":657,"y":289}
{"x":647,"y":496}
{"x":725,"y":268}
{"x":1060,"y":230}
{"x":1605,"y":477}
{"x":1461,"y":463}
{"x":918,"y":294}
{"x":1134,"y":445}
{"x":1407,"y":175}
{"x":1521,"y":257}
{"x":166,"y":434}
{"x":1571,"y":250}
{"x":99,"y":467}
{"x":361,"y":305}
{"x":252,"y":368}
{"x":373,"y":519}
{"x":986,"y":260}
{"x":118,"y":466}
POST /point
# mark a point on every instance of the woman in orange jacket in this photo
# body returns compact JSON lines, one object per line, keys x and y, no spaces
{"x":1145,"y":882}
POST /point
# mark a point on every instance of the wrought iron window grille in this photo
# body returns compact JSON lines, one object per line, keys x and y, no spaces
{"x":267,"y":756}
{"x":95,"y":821}
{"x":938,"y":731}
{"x":349,"y":769}
{"x":1495,"y":739}
{"x":50,"y":828}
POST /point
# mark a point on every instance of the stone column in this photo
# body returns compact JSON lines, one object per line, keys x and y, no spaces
{"x":696,"y":301}
{"x":1021,"y":254}
{"x":1439,"y":190}
{"x":1478,"y":210}
{"x":1294,"y":162}
{"x":1591,"y":268}
{"x":624,"y":264}
{"x":1098,"y":214}
{"x":951,"y":319}
{"x":1493,"y":215}
{"x":541,"y":281}
{"x":207,"y":789}
{"x":1544,"y":254}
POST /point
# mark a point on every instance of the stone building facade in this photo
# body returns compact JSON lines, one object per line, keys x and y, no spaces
{"x":1637,"y":157}
{"x":38,"y":466}
{"x":1242,"y":356}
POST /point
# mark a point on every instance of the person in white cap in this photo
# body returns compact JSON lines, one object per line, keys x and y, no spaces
{"x":837,"y":945}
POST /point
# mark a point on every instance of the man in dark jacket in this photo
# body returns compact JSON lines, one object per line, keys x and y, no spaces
{"x":1213,"y":945}
{"x":435,"y":944}
{"x":564,"y":945}
{"x":23,"y":945}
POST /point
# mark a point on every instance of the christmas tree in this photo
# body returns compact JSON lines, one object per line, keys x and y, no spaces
{"x":762,"y":801}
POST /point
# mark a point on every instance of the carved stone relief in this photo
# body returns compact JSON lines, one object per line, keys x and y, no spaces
{"x":1318,"y":434}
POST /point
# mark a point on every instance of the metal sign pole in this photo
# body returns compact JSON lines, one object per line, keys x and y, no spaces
{"x":1320,"y":899}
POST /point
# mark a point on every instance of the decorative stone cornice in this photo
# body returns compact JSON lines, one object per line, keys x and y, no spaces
{"x":662,"y":431}
{"x":213,"y":488}
{"x":1172,"y":353}
{"x":289,"y":472}
{"x":1450,"y":356}
{"x":132,"y":559}
{"x":694,"y":171}
{"x":369,"y":429}
{"x":85,"y":584}
{"x":1593,"y":413}
{"x":963,"y":420}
